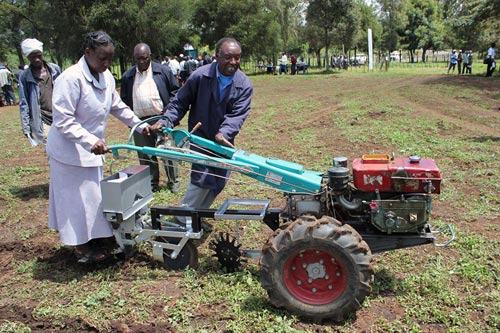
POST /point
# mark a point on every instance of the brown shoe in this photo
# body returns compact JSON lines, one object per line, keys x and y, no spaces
{"x":86,"y":252}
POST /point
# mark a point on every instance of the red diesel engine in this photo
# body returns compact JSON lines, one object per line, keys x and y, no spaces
{"x":401,"y":175}
{"x":392,"y":194}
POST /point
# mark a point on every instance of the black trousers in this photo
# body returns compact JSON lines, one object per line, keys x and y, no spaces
{"x":490,"y":69}
{"x":10,"y":97}
{"x":171,"y":167}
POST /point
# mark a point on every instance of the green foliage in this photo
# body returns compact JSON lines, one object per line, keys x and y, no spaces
{"x":264,"y":27}
{"x":424,"y":27}
{"x":332,"y":18}
{"x":250,"y":22}
{"x":367,"y":20}
{"x":14,"y":327}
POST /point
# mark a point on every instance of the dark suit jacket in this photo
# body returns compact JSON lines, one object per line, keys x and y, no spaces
{"x":163,"y":77}
{"x":200,"y":96}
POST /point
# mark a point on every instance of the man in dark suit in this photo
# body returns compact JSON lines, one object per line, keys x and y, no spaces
{"x":147,"y":88}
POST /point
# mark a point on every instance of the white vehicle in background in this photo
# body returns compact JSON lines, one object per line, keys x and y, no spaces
{"x":395,"y":56}
{"x":359,"y":59}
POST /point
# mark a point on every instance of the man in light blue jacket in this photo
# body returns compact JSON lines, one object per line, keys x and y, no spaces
{"x":35,"y":92}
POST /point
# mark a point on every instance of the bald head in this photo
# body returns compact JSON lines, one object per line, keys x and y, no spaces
{"x":142,"y":56}
{"x":142,"y":47}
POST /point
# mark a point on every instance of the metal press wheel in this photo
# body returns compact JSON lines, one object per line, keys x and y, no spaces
{"x":187,"y":257}
{"x":317,"y":268}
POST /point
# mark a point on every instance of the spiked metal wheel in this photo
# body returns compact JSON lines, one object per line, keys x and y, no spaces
{"x":227,"y":252}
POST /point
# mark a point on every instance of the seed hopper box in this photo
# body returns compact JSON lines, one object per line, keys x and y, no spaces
{"x":126,"y":191}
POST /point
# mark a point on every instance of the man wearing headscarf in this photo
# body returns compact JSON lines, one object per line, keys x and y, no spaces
{"x":35,"y":92}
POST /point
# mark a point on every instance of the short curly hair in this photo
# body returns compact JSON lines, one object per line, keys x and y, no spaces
{"x":224,"y":40}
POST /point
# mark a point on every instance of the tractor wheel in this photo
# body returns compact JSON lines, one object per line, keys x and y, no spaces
{"x":187,"y":258}
{"x":317,"y":268}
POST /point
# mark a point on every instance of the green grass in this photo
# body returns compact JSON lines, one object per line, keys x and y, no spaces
{"x":407,"y":110}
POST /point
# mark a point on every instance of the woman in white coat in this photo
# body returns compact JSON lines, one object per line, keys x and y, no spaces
{"x":84,"y":95}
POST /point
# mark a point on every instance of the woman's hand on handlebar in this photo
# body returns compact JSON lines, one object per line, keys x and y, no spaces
{"x":99,"y":148}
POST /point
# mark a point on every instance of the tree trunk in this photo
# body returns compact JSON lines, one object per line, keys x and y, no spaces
{"x":327,"y":63}
{"x":20,"y":55}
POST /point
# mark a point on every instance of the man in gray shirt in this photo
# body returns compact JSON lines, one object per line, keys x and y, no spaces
{"x":35,"y":92}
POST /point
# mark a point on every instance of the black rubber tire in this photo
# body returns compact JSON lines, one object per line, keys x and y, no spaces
{"x":311,"y":247}
{"x":187,"y":258}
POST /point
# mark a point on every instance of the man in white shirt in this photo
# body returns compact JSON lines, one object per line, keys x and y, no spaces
{"x":6,"y":78}
{"x":147,"y":88}
{"x":491,"y":59}
{"x":284,"y":63}
{"x":175,"y":66}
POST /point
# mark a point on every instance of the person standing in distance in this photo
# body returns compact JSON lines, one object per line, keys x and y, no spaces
{"x":219,"y":96}
{"x":7,"y":84}
{"x":35,"y":92}
{"x":84,"y":96}
{"x":147,"y":89}
{"x":490,"y":59}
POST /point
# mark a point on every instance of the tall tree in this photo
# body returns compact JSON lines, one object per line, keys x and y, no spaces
{"x":367,"y":19}
{"x":250,"y":22}
{"x":62,"y":36}
{"x":325,"y":15}
{"x":424,"y":27}
{"x":393,"y":20}
{"x":160,"y":24}
{"x":289,"y":17}
{"x":13,"y":25}
{"x":476,"y":21}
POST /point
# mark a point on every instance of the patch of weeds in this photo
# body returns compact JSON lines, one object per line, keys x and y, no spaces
{"x":25,"y":234}
{"x":94,"y":300}
{"x":27,"y":267}
{"x":493,"y":319}
{"x":493,"y":227}
{"x":487,"y":206}
{"x":382,"y":325}
{"x":179,"y":314}
{"x":264,"y":119}
{"x":249,"y":310}
{"x":477,"y":259}
{"x":14,"y":327}
{"x":429,"y":296}
{"x":450,"y":193}
{"x":22,"y":171}
{"x":43,"y":312}
{"x":304,"y":136}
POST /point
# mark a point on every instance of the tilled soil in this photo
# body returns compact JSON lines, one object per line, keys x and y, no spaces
{"x":17,"y":235}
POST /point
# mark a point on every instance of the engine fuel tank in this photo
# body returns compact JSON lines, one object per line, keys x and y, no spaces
{"x":403,"y":175}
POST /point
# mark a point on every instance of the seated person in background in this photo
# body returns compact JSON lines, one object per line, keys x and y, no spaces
{"x":302,"y":66}
{"x":260,"y":65}
{"x":270,"y":67}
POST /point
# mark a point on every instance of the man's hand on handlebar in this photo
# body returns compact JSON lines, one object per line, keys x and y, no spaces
{"x":156,"y":127}
{"x":220,"y":139}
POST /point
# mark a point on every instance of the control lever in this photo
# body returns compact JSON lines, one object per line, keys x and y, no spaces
{"x":183,"y":143}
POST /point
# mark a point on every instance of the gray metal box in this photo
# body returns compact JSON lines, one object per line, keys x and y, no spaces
{"x":127,"y":191}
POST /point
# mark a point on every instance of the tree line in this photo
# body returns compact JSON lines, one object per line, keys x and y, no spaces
{"x":265,"y":28}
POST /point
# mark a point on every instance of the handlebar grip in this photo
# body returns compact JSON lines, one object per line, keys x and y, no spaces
{"x":198,"y":125}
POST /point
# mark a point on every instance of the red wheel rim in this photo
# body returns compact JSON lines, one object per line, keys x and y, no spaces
{"x":314,"y":276}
